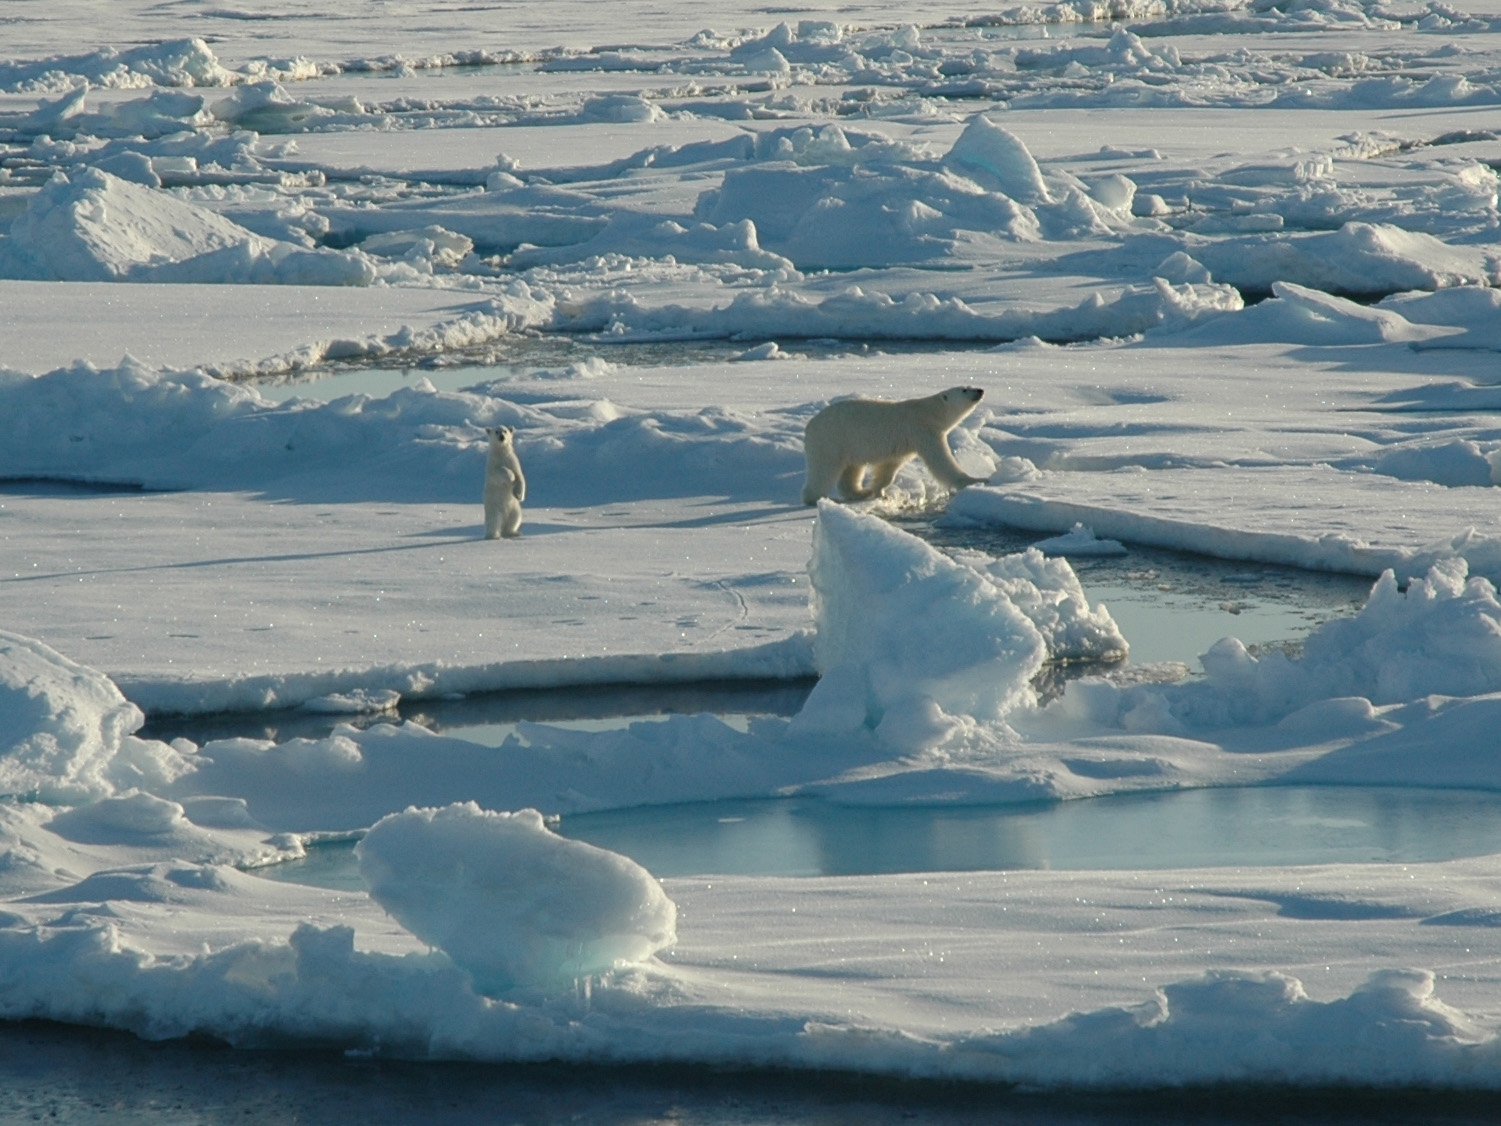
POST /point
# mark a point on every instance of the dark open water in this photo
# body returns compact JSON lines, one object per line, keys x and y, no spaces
{"x":83,"y":1077}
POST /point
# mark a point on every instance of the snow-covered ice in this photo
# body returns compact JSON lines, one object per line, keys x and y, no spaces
{"x":1225,"y":274}
{"x":511,"y":902}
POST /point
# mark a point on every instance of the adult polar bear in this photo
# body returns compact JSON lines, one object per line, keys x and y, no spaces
{"x":851,"y":436}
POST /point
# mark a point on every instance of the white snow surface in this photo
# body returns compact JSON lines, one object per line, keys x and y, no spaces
{"x":1224,"y":271}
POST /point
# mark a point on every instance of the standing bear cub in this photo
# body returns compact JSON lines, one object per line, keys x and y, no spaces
{"x":850,"y":436}
{"x":505,"y":486}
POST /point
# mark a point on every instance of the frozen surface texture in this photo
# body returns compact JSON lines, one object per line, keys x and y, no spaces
{"x":1226,"y":273}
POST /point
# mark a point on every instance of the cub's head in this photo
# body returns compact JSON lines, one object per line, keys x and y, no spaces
{"x":499,"y":435}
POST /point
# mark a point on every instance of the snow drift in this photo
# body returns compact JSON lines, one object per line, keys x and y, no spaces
{"x":92,"y":226}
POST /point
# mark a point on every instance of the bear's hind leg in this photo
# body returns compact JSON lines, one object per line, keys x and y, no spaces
{"x":883,"y":474}
{"x":850,"y":483}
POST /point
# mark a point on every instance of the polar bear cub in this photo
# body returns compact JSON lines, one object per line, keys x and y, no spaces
{"x":851,"y":436}
{"x":505,"y":485}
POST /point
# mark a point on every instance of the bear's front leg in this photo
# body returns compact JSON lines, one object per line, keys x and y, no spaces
{"x":934,"y":451}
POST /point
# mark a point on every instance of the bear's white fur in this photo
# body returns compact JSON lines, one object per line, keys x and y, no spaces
{"x":505,"y":485}
{"x":851,"y":436}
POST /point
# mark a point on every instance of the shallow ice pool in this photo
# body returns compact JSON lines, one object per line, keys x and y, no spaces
{"x":1244,"y":827}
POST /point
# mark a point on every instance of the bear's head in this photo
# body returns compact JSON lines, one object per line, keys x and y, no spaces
{"x":960,"y":396}
{"x":499,"y":435}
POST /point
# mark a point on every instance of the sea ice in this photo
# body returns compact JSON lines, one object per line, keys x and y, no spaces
{"x":530,"y":186}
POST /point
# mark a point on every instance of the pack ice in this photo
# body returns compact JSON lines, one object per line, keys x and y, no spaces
{"x":1226,"y":273}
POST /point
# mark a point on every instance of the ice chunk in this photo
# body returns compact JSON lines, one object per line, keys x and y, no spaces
{"x":1159,"y":307}
{"x":266,"y":107}
{"x":622,"y":109}
{"x":1079,"y":540}
{"x":1049,"y":593}
{"x":1457,"y":462}
{"x":181,"y":62}
{"x":60,"y":723}
{"x":357,"y":701}
{"x":431,"y":243}
{"x":512,"y":903}
{"x":1299,"y":315}
{"x":132,"y":166}
{"x":996,"y":159}
{"x":769,"y":61}
{"x":768,"y":351}
{"x":1149,"y":205}
{"x":1182,"y":269}
{"x":97,"y":227}
{"x":917,"y":624}
{"x":647,"y":236}
{"x":1115,"y":191}
{"x":1357,"y":258}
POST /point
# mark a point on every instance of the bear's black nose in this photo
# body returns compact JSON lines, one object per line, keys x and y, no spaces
{"x":975,"y":393}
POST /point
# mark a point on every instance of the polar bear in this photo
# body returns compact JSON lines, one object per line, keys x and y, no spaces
{"x":505,"y":485}
{"x":850,"y":436}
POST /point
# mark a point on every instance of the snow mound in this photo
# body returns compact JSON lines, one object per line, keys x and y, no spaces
{"x":1238,"y":1026}
{"x":162,"y":882}
{"x":1470,"y":309}
{"x":906,"y":631}
{"x":122,"y":819}
{"x":1376,"y":258}
{"x":1456,"y":463}
{"x":93,"y":226}
{"x":189,"y":430}
{"x":512,"y":903}
{"x":777,"y":313}
{"x":996,"y":159}
{"x":649,"y":236}
{"x":835,"y":216}
{"x":61,"y":724}
{"x":182,"y":62}
{"x":1297,"y":314}
{"x":1442,"y":635}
